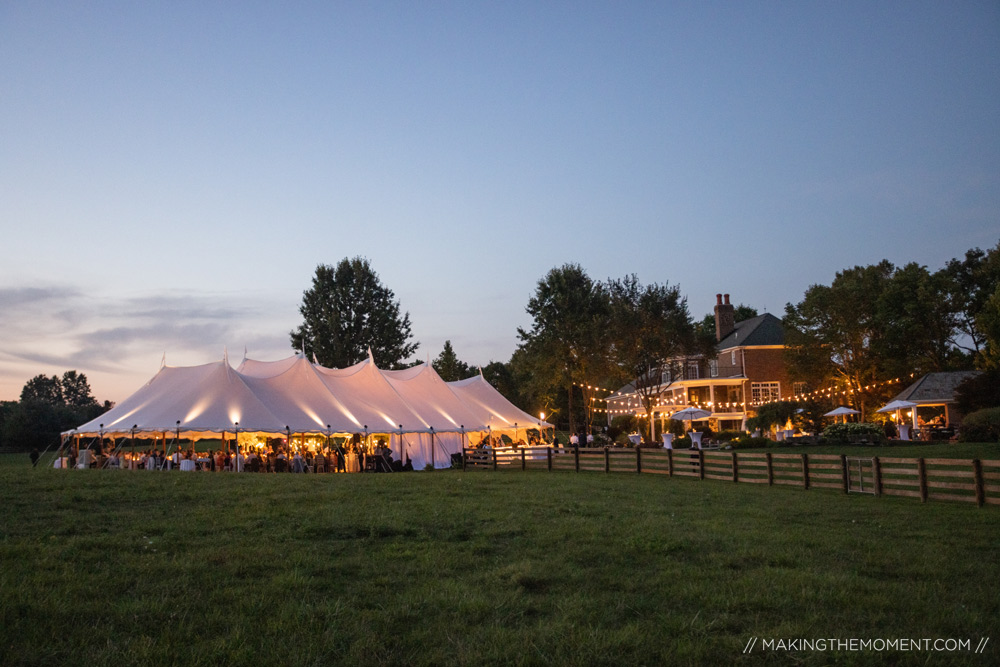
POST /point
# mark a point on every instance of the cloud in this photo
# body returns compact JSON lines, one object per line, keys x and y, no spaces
{"x":61,"y":327}
{"x":12,"y":299}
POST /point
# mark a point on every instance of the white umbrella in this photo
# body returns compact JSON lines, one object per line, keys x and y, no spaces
{"x":841,"y":412}
{"x":690,"y":414}
{"x":897,"y":405}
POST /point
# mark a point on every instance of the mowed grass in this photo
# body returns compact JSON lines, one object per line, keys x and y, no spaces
{"x":121,"y":567}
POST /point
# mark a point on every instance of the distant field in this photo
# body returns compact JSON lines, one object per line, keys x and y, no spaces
{"x":120,"y":567}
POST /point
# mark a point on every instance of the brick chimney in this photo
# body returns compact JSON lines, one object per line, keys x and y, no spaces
{"x":725,"y":317}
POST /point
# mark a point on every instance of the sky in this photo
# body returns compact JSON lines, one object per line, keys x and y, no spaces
{"x":172,"y":173}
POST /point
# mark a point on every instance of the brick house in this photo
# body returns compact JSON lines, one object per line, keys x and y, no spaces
{"x":748,"y":369}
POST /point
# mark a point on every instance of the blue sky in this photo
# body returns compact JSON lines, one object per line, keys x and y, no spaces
{"x":172,"y":173}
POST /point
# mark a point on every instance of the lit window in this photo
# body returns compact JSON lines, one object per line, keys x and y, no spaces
{"x":765,"y":392}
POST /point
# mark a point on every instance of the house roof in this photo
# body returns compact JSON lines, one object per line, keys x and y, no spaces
{"x":935,"y":387}
{"x":764,"y":329}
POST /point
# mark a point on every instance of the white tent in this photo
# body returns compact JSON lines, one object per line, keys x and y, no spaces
{"x":425,"y":418}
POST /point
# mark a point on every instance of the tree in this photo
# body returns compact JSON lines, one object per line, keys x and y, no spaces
{"x":76,"y":390}
{"x":449,"y":366}
{"x":971,"y":283}
{"x":834,"y":332}
{"x":347,"y":312}
{"x":48,"y":407}
{"x":988,"y":322}
{"x":568,"y":341}
{"x":917,"y":323}
{"x":651,"y":326}
{"x":42,"y":389}
{"x":978,"y":392}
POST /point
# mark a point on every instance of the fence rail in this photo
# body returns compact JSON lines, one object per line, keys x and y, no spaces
{"x":960,"y":480}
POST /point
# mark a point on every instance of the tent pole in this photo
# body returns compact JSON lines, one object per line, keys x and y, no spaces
{"x":432,"y":448}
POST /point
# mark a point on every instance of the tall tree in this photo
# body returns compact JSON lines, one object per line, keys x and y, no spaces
{"x":346,"y":312}
{"x":76,"y":390}
{"x":42,"y":389}
{"x":834,"y":332}
{"x":971,"y":283}
{"x":567,"y":343}
{"x":917,"y":323}
{"x":652,"y":327}
{"x":449,"y":366}
{"x":988,"y":322}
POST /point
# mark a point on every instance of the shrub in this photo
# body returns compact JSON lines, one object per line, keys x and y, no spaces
{"x":844,"y":434}
{"x":978,"y":392}
{"x":981,"y":426}
{"x":676,"y":427}
{"x":726,"y":436}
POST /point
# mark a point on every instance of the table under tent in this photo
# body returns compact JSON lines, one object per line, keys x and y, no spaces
{"x":418,"y":416}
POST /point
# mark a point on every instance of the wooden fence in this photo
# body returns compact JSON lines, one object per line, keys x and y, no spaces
{"x":935,"y":479}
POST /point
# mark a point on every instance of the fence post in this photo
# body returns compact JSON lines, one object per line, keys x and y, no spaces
{"x":736,"y":473}
{"x":576,"y":457}
{"x":548,"y":454}
{"x":922,"y":477}
{"x":805,"y":471}
{"x":770,"y":470}
{"x":845,"y":472}
{"x":877,"y":474}
{"x":638,"y":460}
{"x":523,"y":462}
{"x":701,"y":464}
{"x":977,"y":475}
{"x":670,"y":463}
{"x":607,"y":460}
{"x":494,"y":459}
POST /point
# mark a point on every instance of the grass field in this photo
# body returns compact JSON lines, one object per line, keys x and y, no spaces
{"x":120,"y":567}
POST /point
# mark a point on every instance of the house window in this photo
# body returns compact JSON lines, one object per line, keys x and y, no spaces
{"x":692,"y":373}
{"x":665,"y":377}
{"x":732,"y":357}
{"x":713,"y":367}
{"x":765,"y":392}
{"x":799,"y":388}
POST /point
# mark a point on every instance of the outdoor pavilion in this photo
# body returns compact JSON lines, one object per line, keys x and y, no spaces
{"x":934,"y":390}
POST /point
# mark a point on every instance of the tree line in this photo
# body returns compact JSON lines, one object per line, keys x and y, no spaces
{"x":872,"y":323}
{"x":47,"y":407}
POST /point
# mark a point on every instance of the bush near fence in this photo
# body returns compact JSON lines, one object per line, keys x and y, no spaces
{"x":961,"y":480}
